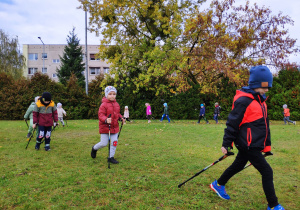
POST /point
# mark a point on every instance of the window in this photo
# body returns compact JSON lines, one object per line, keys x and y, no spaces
{"x":44,"y":70}
{"x":44,"y":56}
{"x":55,"y":61}
{"x":94,"y":70}
{"x":32,"y":71}
{"x":32,"y":56}
{"x":94,"y":57}
{"x":54,"y":75}
{"x":106,"y":70}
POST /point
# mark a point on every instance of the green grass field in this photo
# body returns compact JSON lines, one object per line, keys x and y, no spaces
{"x":154,"y":159}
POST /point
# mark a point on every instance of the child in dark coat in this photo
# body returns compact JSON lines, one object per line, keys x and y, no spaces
{"x":202,"y":114}
{"x":217,"y":112}
{"x":248,"y":128}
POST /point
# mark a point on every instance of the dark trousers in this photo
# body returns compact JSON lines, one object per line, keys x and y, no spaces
{"x":259,"y":162}
{"x":44,"y":132}
{"x":200,"y":117}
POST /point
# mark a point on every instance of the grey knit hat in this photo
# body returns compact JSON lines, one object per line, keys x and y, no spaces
{"x":109,"y":89}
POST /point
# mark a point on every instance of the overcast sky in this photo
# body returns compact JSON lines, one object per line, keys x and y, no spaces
{"x":52,"y":20}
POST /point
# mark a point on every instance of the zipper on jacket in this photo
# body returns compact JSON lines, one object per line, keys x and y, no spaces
{"x":249,"y":137}
{"x":265,"y":118}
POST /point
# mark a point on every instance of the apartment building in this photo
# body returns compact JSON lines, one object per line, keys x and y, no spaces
{"x":47,"y":60}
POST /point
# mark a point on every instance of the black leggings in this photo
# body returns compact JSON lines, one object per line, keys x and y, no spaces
{"x":259,"y":162}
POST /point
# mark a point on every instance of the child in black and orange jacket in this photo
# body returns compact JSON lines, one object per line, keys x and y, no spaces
{"x":248,"y":128}
{"x":44,"y":113}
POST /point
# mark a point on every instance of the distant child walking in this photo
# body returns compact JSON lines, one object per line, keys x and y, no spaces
{"x":29,"y":115}
{"x":61,"y":112}
{"x":44,"y":113}
{"x":148,"y":112}
{"x":286,"y":114}
{"x":217,"y":112}
{"x":248,"y":127}
{"x":166,"y":113}
{"x":202,"y":114}
{"x":109,"y":107}
{"x":126,"y":114}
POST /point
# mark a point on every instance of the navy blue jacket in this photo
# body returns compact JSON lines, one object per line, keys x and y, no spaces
{"x":202,"y":111}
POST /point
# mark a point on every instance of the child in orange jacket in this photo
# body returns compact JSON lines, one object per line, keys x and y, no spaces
{"x":286,"y":114}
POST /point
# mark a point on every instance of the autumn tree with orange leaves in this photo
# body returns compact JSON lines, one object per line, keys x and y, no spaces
{"x":165,"y":46}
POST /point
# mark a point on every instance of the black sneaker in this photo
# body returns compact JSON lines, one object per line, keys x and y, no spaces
{"x":28,"y":135}
{"x":112,"y":160}
{"x":47,"y":148}
{"x":93,"y":153}
{"x":37,"y":146}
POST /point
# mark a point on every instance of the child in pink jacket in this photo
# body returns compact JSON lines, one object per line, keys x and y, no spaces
{"x":148,"y":112}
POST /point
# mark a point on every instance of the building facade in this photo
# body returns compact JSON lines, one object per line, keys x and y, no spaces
{"x":47,"y":60}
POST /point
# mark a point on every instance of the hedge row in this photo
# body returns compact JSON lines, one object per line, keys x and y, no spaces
{"x":16,"y":96}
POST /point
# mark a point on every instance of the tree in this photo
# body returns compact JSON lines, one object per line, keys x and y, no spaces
{"x":228,"y":40}
{"x":12,"y":61}
{"x":145,"y":36}
{"x":164,"y":46}
{"x":72,"y":61}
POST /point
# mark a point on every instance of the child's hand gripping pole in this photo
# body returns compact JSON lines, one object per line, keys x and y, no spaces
{"x":220,"y":159}
{"x":108,"y":142}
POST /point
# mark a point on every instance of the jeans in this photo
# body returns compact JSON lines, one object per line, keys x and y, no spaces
{"x":216,"y":118}
{"x":164,"y":115}
{"x":287,"y":119}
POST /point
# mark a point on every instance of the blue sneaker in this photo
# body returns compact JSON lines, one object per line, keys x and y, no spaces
{"x":278,"y":207}
{"x":220,"y":190}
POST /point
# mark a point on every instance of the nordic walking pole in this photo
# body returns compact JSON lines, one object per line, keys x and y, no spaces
{"x":265,"y":155}
{"x":30,"y":138}
{"x":120,"y":129}
{"x":26,"y":123}
{"x":109,"y":143}
{"x":220,"y":159}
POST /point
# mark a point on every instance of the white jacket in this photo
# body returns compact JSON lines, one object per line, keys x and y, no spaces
{"x":61,"y":112}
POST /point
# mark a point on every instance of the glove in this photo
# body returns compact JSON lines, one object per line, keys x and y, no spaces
{"x":55,"y":124}
{"x":268,"y":153}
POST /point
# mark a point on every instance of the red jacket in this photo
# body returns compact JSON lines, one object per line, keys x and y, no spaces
{"x":248,"y":123}
{"x":106,"y":108}
{"x":286,"y":112}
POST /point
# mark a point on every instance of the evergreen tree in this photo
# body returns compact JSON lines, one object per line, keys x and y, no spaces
{"x":72,"y":61}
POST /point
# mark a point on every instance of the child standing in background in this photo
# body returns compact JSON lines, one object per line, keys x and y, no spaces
{"x":61,"y":112}
{"x":202,"y":114}
{"x":286,"y":114}
{"x":126,"y":114}
{"x":29,"y":115}
{"x":217,"y":112}
{"x":166,"y":113}
{"x":148,"y":112}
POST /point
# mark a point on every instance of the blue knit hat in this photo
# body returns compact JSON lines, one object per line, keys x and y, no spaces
{"x":260,"y":76}
{"x":165,"y":104}
{"x":201,"y":104}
